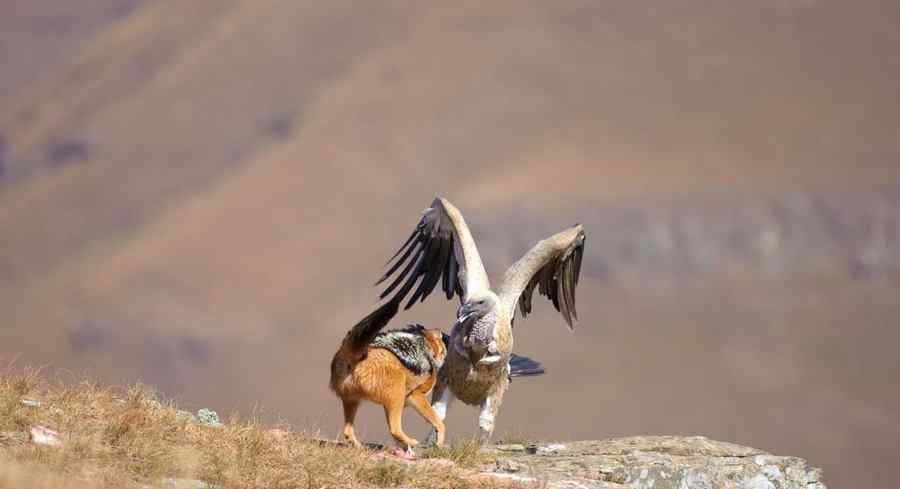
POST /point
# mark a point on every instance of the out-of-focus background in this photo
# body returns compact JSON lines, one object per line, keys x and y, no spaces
{"x":200,"y":195}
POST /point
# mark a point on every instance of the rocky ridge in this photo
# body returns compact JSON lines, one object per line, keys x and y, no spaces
{"x":657,"y":462}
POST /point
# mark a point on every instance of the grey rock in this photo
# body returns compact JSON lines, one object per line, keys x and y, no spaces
{"x":513,"y":447}
{"x":208,"y":417}
{"x":551,"y":448}
{"x":657,"y":462}
{"x":505,"y":465}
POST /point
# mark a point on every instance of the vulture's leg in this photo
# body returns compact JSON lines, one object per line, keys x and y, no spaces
{"x":441,"y":398}
{"x":489,"y":409}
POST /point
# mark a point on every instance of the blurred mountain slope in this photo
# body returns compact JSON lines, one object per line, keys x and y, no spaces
{"x":205,"y":191}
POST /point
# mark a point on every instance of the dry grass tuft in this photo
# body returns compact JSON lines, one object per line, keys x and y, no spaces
{"x":464,"y":453}
{"x":387,"y":474}
{"x":131,"y":438}
{"x":15,"y":384}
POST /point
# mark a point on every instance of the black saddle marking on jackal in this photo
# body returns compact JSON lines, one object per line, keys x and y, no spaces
{"x":409,"y":346}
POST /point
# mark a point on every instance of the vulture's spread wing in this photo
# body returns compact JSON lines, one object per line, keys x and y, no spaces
{"x":553,"y":266}
{"x":440,"y":249}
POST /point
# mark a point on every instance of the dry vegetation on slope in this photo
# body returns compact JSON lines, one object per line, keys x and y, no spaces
{"x":83,"y":435}
{"x":128,"y":438}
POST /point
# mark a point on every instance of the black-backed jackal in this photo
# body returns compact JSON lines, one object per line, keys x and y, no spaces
{"x":392,"y":369}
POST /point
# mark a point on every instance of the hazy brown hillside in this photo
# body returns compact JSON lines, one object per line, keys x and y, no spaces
{"x":200,"y":195}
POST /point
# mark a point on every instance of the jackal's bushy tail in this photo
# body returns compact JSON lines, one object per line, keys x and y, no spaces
{"x":365,"y":331}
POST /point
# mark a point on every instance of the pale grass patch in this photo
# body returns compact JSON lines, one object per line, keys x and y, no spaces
{"x":130,"y":438}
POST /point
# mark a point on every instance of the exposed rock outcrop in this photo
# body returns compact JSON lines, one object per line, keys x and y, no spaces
{"x":658,"y":462}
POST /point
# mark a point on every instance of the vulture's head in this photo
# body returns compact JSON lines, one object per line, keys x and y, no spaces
{"x":477,"y":318}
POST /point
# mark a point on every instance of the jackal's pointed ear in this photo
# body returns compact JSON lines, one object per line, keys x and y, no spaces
{"x":414,"y":328}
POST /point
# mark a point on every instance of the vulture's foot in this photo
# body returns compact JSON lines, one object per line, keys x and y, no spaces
{"x":431,"y":439}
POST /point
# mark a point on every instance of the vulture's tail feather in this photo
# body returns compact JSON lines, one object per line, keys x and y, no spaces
{"x":520,"y":366}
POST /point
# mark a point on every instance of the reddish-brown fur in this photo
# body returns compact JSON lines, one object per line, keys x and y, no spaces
{"x":375,"y":374}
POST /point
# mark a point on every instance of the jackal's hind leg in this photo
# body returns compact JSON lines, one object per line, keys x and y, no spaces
{"x":350,"y":408}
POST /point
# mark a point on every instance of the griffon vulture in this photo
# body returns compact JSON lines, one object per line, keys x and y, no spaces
{"x":441,"y":250}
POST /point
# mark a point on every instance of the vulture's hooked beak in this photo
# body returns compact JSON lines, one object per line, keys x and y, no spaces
{"x":465,"y":312}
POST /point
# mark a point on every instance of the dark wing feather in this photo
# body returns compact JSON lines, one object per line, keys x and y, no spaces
{"x":429,"y":257}
{"x":557,"y":280}
{"x":521,"y":366}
